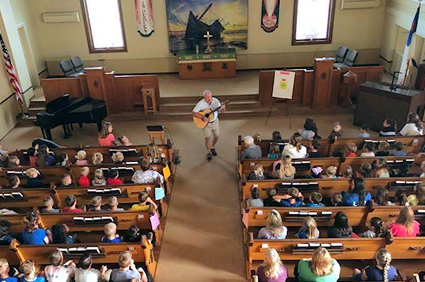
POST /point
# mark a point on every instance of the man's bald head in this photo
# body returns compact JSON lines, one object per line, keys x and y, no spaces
{"x":207,"y":94}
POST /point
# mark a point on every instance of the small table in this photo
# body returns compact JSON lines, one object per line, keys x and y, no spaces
{"x":218,"y":64}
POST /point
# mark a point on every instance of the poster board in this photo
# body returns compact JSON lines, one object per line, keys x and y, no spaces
{"x":283,"y":86}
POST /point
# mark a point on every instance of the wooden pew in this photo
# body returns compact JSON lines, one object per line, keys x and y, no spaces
{"x":327,"y":187}
{"x":143,"y":252}
{"x":413,"y":145}
{"x":10,"y":255}
{"x":32,"y":197}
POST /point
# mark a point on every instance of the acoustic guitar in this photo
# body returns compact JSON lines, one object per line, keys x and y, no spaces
{"x":209,"y":114}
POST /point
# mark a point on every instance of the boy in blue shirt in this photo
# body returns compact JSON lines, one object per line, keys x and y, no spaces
{"x":293,"y":199}
{"x":4,"y":272}
{"x":27,"y":268}
{"x":315,"y":200}
{"x":111,"y":235}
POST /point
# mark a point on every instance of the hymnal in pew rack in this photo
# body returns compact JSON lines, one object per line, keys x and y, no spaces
{"x":309,"y":248}
{"x":105,"y":192}
{"x":13,"y":196}
{"x":302,"y":186}
{"x":96,"y":220}
{"x":300,"y":215}
{"x":77,"y":252}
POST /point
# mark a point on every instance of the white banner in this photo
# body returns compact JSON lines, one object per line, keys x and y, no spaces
{"x":144,"y":15}
{"x":283,"y":84}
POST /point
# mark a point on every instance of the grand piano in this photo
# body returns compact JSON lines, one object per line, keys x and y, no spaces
{"x":66,"y":112}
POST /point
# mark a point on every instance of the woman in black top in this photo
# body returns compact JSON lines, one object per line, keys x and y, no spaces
{"x":340,"y":229}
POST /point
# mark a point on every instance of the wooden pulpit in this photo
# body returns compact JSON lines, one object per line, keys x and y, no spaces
{"x":322,"y":83}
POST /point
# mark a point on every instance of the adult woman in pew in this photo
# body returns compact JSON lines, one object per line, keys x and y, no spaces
{"x":405,"y":224}
{"x":252,"y":150}
{"x":44,"y":158}
{"x":380,"y":167}
{"x":321,"y":268}
{"x":284,"y":168}
{"x":309,"y":130}
{"x":255,"y":201}
{"x":146,"y":175}
{"x":382,"y":271}
{"x":413,"y":126}
{"x":340,"y":229}
{"x":295,"y":149}
{"x":106,"y":138}
{"x":274,"y":229}
{"x":272,"y":269}
{"x":357,"y":195}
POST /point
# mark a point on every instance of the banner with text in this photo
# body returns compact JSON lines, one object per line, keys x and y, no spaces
{"x":283,"y":84}
{"x":270,"y":15}
{"x":144,"y":15}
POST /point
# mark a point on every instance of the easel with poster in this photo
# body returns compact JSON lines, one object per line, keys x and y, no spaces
{"x":283,"y":89}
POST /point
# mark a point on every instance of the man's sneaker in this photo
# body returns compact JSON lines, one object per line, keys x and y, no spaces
{"x":209,"y":156}
{"x":213,"y":151}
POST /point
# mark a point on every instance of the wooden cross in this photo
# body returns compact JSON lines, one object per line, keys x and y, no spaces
{"x":208,"y":36}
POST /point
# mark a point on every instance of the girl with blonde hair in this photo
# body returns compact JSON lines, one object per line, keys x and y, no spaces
{"x":118,"y":158}
{"x":274,"y":228}
{"x":405,"y":225}
{"x":272,"y":268}
{"x":321,"y":267}
{"x":284,"y":168}
{"x":419,"y":197}
{"x":99,"y":178}
{"x":309,"y":229}
{"x":97,"y":158}
{"x":154,"y":154}
{"x":295,"y":149}
{"x":382,"y":271}
{"x":81,"y":158}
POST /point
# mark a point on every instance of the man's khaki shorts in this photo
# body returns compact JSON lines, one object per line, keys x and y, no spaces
{"x":212,"y":128}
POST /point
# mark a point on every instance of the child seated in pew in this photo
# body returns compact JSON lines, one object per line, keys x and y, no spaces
{"x":27,"y":268}
{"x":145,"y":203}
{"x":84,"y":180}
{"x":255,"y":201}
{"x":154,"y":154}
{"x":336,"y":199}
{"x":33,"y":181}
{"x":314,"y":147}
{"x":95,"y":204}
{"x":366,"y":171}
{"x":347,"y":172}
{"x":351,"y":150}
{"x":274,"y":151}
{"x":276,"y":136}
{"x":309,"y":229}
{"x":381,"y":198}
{"x":113,"y":204}
{"x":5,"y":236}
{"x":367,"y":150}
{"x":336,"y":132}
{"x":258,"y":173}
{"x":98,"y":179}
{"x":338,"y":153}
{"x":132,"y":234}
{"x":67,"y":181}
{"x":316,"y":172}
{"x":63,"y":160}
{"x":58,"y":271}
{"x":114,"y":178}
{"x":48,"y":204}
{"x":380,"y":167}
{"x":284,"y":168}
{"x":272,"y":268}
{"x":376,"y":229}
{"x":357,"y":195}
{"x":364,"y":131}
{"x":405,"y":225}
{"x":330,"y":172}
{"x":293,"y":198}
{"x":81,"y":158}
{"x":32,"y":234}
{"x":388,"y":128}
{"x":124,"y":141}
{"x":399,"y":146}
{"x":32,"y":155}
{"x":321,"y":267}
{"x":270,"y":201}
{"x":383,"y":148}
{"x":97,"y":158}
{"x":85,"y":272}
{"x":59,"y":234}
{"x":315,"y":200}
{"x":382,"y":271}
{"x":14,"y":162}
{"x":400,"y":198}
{"x":419,"y":197}
{"x":71,"y":205}
{"x":14,"y":182}
{"x":118,"y":158}
{"x":111,"y":235}
{"x":127,"y":270}
{"x":7,"y":274}
{"x":274,"y":229}
{"x":340,"y":228}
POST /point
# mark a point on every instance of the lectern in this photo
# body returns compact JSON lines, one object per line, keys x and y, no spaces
{"x":377,"y":102}
{"x":323,"y":68}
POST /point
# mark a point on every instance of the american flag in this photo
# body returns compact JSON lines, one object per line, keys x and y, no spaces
{"x":13,"y":79}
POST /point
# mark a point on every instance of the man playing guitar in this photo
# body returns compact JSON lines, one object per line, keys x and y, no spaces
{"x":213,"y":125}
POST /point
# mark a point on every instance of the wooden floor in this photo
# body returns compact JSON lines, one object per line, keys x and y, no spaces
{"x":202,"y":238}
